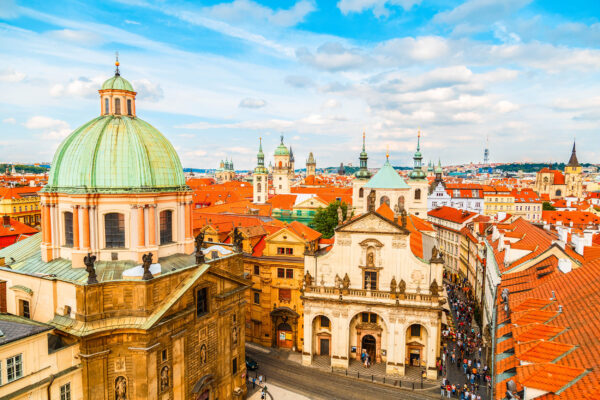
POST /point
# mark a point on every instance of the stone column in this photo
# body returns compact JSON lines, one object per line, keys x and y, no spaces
{"x":141,"y":230}
{"x":75,"y":227}
{"x":188,"y":221}
{"x":152,"y":225}
{"x":307,"y":348}
{"x":432,"y":346}
{"x":396,"y":349}
{"x":86,"y":228}
{"x":46,"y":224}
{"x":339,"y":357}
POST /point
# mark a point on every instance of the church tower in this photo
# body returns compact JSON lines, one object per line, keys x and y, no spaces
{"x":573,"y":176}
{"x":260,"y":178}
{"x":311,"y":165}
{"x":362,"y":176}
{"x":418,"y":183}
{"x":282,"y":169}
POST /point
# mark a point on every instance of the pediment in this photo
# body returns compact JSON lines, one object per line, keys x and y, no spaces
{"x":371,"y":222}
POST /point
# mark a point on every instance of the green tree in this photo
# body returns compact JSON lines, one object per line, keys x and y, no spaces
{"x":326,"y":219}
{"x":546,"y":206}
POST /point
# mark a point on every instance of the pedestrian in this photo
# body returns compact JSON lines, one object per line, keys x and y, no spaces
{"x":253,"y":383}
{"x":479,"y":351}
{"x":260,"y":379}
{"x":448,"y":390}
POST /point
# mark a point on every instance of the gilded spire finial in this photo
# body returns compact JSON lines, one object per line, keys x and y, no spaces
{"x":419,"y":140}
{"x":387,"y":152}
{"x":363,"y":140}
{"x":117,"y":63}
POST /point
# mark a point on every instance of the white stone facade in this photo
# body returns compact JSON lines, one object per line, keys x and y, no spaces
{"x":352,"y":287}
{"x":439,"y":198}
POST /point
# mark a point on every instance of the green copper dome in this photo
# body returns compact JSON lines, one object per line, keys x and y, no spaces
{"x":116,"y":154}
{"x":281,"y":150}
{"x":117,"y":83}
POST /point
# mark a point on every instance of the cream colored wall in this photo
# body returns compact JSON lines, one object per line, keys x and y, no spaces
{"x":38,"y":365}
{"x":260,"y":197}
{"x":49,"y":296}
{"x":412,"y":206}
{"x":284,"y":238}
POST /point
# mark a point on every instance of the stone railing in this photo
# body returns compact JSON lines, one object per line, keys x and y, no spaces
{"x":378,"y":294}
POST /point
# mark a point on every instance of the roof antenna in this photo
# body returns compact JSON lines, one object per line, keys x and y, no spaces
{"x":117,"y":73}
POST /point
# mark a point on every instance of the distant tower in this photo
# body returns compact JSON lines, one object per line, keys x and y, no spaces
{"x":341,"y":169}
{"x":362,"y":176}
{"x":282,"y":169}
{"x":418,"y":183}
{"x":573,"y":176}
{"x":292,"y":160}
{"x":311,"y":165}
{"x":486,"y":152}
{"x":260,"y":178}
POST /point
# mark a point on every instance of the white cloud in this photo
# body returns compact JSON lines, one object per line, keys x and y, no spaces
{"x":331,"y":103}
{"x":243,"y":11}
{"x":81,"y":37}
{"x":11,"y":121}
{"x":480,"y":11}
{"x":505,"y":106}
{"x":378,"y":6}
{"x":250,"y":102}
{"x":147,"y":90}
{"x":332,"y":56}
{"x":10,"y":75}
{"x":8,"y":9}
{"x":78,"y":87}
{"x":51,"y":128}
{"x":130,"y":22}
{"x":299,"y":81}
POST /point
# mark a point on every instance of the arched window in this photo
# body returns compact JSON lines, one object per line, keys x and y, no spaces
{"x":258,"y":187}
{"x":166,"y":227}
{"x":280,"y":164}
{"x":384,"y":199}
{"x":117,"y":106}
{"x":558,"y":192}
{"x":418,"y":194}
{"x":114,"y":230}
{"x":361,"y":193}
{"x":129,"y":107}
{"x":401,"y":203}
{"x":68,"y":229}
{"x":106,"y":110}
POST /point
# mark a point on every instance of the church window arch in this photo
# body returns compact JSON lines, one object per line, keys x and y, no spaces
{"x":361,"y":193}
{"x":401,"y":203}
{"x":106,"y":108}
{"x":418,"y":194}
{"x":258,"y":187}
{"x":384,"y":199}
{"x":129,"y":108}
{"x":68,"y":220}
{"x":558,"y":192}
{"x":166,"y":227}
{"x":117,"y":106}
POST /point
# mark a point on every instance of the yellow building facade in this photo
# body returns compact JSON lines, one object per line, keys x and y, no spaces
{"x":21,"y":204}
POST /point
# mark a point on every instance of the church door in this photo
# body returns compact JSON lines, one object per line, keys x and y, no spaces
{"x":370,"y":346}
{"x":285,"y":336}
{"x":324,"y":347}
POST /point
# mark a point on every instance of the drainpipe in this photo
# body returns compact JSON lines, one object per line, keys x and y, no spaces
{"x":49,"y":386}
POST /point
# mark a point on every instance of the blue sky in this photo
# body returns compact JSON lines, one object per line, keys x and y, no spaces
{"x":215,"y":76}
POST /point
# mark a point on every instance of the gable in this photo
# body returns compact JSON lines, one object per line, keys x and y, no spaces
{"x":313,"y":202}
{"x":371,"y":222}
{"x":285,"y":232}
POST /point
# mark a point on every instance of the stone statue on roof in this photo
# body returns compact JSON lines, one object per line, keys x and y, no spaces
{"x":199,"y":253}
{"x":147,"y":262}
{"x":401,"y":287}
{"x":346,"y":281}
{"x":89,"y":261}
{"x":371,"y":201}
{"x":237,"y":239}
{"x":308,"y":280}
{"x":433,"y":288}
{"x":393,"y":285}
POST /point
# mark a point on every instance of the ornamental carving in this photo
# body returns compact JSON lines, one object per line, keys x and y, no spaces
{"x":121,"y":388}
{"x":203,"y":354}
{"x":164,"y":378}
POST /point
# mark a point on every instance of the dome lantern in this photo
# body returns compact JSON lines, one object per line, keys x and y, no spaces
{"x":117,"y":96}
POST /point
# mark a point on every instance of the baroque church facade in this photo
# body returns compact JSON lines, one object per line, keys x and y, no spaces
{"x":116,"y":271}
{"x":378,"y":292}
{"x":557,"y":184}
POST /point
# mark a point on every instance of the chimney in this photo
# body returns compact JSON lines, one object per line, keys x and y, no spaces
{"x":3,"y":296}
{"x":6,"y":221}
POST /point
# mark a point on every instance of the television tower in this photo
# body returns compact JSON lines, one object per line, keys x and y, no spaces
{"x":486,"y":152}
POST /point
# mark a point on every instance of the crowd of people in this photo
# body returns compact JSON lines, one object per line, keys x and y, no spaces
{"x":463,"y":349}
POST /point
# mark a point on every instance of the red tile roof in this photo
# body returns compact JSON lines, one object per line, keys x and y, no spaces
{"x":451,"y":214}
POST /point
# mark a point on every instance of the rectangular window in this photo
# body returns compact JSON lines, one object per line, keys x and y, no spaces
{"x":280,"y":273}
{"x":65,"y":391}
{"x":68,"y":229}
{"x":129,"y":111}
{"x":285,"y":295}
{"x":324,"y":322}
{"x":415,"y":330}
{"x":289,"y":273}
{"x":280,"y":250}
{"x":24,"y":308}
{"x":202,"y":302}
{"x":257,"y":270}
{"x":373,"y":318}
{"x":114,"y":228}
{"x":234,"y":366}
{"x":365,"y":317}
{"x":370,"y":280}
{"x":166,"y":227}
{"x":256,"y":298}
{"x":14,"y":368}
{"x":163,"y":355}
{"x":369,"y":317}
{"x":289,"y":251}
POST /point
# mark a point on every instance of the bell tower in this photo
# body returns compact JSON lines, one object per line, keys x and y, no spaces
{"x":260,"y":178}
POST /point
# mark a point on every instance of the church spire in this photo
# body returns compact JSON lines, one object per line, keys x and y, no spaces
{"x":573,"y":162}
{"x":363,"y":172}
{"x":417,"y":172}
